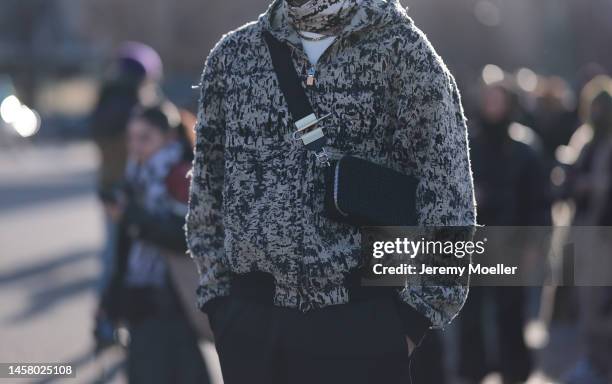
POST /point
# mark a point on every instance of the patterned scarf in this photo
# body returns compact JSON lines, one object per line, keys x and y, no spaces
{"x":146,"y":264}
{"x":326,"y":17}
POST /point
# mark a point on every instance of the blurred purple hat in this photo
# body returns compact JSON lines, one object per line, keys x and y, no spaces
{"x":144,"y":55}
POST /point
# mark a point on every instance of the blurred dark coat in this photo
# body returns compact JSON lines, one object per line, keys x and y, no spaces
{"x":512,"y":187}
{"x":592,"y":208}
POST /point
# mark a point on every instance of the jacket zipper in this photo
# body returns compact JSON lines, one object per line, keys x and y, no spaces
{"x":311,"y":73}
{"x":310,"y":83}
{"x":310,"y":79}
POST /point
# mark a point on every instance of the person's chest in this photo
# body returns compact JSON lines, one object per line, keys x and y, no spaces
{"x":351,"y":81}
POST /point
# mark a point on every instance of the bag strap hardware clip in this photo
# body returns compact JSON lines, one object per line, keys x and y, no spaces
{"x":306,"y":123}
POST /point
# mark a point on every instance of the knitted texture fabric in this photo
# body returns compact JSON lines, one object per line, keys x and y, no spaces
{"x":257,"y":195}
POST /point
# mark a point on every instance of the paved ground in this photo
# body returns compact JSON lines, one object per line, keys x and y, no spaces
{"x":50,"y":236}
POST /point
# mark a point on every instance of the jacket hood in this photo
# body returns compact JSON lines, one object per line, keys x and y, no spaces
{"x":370,"y":14}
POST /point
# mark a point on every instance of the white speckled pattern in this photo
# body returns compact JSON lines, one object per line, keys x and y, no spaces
{"x":257,"y":195}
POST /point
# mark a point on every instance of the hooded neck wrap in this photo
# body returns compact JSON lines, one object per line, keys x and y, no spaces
{"x":327,"y":17}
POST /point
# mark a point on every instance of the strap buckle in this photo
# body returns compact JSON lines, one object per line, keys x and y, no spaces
{"x":306,"y":123}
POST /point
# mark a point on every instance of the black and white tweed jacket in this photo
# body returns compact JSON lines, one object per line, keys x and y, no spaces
{"x":257,"y":195}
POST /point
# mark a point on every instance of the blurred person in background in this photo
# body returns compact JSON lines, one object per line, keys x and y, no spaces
{"x":133,"y":79}
{"x":512,"y":190}
{"x":590,"y":184}
{"x":553,"y":116}
{"x":163,"y":347}
{"x":590,"y":179}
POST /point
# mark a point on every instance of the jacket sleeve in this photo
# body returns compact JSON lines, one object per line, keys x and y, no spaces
{"x":204,"y":221}
{"x":432,"y":141}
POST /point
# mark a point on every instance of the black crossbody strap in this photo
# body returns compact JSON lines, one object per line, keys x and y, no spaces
{"x":288,"y":79}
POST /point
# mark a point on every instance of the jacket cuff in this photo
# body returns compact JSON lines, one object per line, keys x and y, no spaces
{"x":415,"y":325}
{"x":210,"y":295}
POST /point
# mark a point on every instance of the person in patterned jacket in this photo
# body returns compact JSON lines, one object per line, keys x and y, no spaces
{"x":276,"y":275}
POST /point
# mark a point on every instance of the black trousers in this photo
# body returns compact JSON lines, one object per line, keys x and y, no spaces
{"x":359,"y":342}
